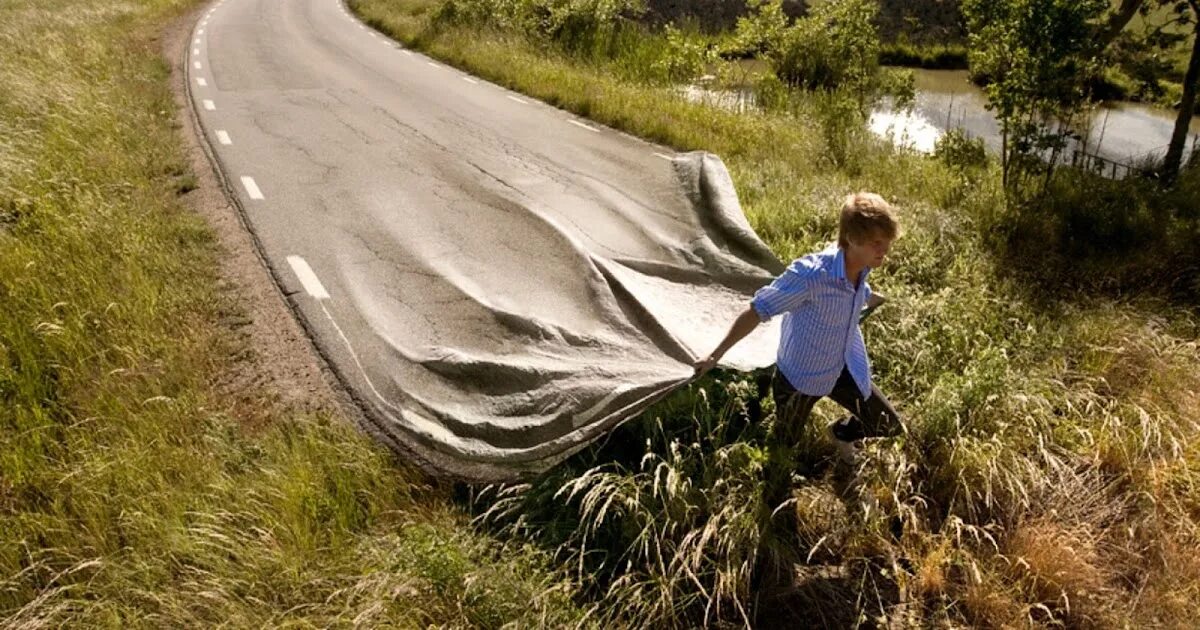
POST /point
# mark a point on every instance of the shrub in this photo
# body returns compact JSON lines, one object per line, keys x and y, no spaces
{"x":958,"y":150}
{"x":835,"y":47}
{"x":1115,"y":234}
{"x":684,"y":56}
{"x":579,"y":26}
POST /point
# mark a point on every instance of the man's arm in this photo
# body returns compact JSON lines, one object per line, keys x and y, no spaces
{"x":873,"y":302}
{"x":742,"y":326}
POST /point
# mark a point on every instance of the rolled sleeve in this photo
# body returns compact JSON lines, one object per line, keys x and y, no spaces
{"x":784,"y":294}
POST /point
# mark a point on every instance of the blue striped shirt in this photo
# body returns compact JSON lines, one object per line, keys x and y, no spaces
{"x":820,"y":332}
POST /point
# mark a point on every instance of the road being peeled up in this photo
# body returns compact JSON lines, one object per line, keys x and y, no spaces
{"x":504,"y":337}
{"x":497,"y":283}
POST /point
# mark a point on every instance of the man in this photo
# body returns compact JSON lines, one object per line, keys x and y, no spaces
{"x":821,"y":350}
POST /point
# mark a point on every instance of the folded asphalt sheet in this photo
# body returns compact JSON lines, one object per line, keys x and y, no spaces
{"x":506,"y":365}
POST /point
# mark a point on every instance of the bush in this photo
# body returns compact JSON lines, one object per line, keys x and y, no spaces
{"x":684,"y":57}
{"x":936,"y":57}
{"x":958,"y":150}
{"x":1125,"y":234}
{"x":836,"y":46}
{"x":578,"y":26}
{"x":842,"y":127}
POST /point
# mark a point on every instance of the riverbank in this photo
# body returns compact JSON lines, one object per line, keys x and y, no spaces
{"x":1024,"y":457}
{"x":165,"y":462}
{"x":931,"y":57}
{"x":1114,"y":85}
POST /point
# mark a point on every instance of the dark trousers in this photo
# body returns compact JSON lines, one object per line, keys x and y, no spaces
{"x":870,"y":417}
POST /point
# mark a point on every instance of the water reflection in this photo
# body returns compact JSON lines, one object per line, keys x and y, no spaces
{"x":946,"y":99}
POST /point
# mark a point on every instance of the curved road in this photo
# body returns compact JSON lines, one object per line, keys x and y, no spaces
{"x":497,"y":282}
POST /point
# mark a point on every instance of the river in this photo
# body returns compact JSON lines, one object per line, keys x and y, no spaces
{"x":946,"y":99}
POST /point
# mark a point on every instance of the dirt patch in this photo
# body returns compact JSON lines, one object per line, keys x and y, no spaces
{"x":274,"y":369}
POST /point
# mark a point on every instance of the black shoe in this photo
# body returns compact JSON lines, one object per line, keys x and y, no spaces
{"x":848,"y":444}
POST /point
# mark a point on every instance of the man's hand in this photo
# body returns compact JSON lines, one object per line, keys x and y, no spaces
{"x":741,"y":327}
{"x":707,"y":363}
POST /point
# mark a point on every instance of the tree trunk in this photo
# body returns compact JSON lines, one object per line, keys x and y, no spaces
{"x":1117,"y":21}
{"x":1187,"y":106}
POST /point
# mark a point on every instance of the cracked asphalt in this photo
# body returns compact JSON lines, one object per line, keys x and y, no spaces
{"x":503,"y":286}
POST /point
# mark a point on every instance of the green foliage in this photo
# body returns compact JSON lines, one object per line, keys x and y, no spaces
{"x":592,"y":27}
{"x":685,"y":57}
{"x":1113,"y":233}
{"x":764,"y":25}
{"x":1037,"y":58}
{"x":956,"y":149}
{"x":933,"y":56}
{"x":842,"y":128}
{"x":835,"y":46}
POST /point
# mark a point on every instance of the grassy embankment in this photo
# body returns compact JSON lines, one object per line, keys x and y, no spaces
{"x":1050,"y":470}
{"x":131,"y":492}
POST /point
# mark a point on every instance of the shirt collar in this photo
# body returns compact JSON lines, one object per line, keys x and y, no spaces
{"x":839,"y":265}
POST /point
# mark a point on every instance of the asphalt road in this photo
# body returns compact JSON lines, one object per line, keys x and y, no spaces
{"x":496,"y":281}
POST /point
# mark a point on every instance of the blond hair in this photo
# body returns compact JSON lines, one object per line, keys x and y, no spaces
{"x":863,"y":215}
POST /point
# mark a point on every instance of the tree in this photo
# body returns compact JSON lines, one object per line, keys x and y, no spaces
{"x":1178,"y":13}
{"x":1038,"y":58}
{"x":1187,"y":104}
{"x":1118,"y":20}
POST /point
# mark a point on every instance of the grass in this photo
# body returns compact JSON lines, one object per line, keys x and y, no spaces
{"x":132,"y":491}
{"x":934,"y":56}
{"x":1048,"y":476}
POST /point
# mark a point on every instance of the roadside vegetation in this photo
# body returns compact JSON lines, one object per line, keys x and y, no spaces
{"x":133,"y":491}
{"x":1041,"y":340}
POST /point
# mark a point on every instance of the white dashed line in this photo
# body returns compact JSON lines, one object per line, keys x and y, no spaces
{"x":407,"y":52}
{"x":195,"y":51}
{"x":664,"y":156}
{"x":251,"y":187}
{"x":579,"y":124}
{"x":196,"y":41}
{"x":196,"y":65}
{"x":209,"y":105}
{"x":223,"y":137}
{"x":470,"y":80}
{"x":433,"y":64}
{"x":312,"y":284}
{"x":201,"y":82}
{"x":200,"y":32}
{"x":513,"y":98}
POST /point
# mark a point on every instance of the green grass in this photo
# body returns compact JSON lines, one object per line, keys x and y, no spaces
{"x":132,"y":491}
{"x":1049,"y":474}
{"x":934,"y":56}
